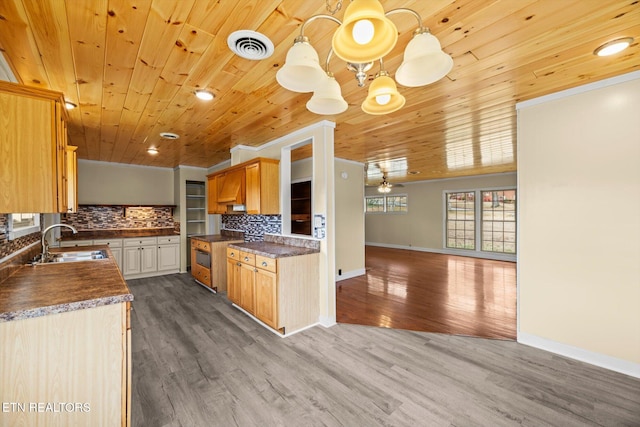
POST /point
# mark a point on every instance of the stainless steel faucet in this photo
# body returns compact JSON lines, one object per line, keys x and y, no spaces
{"x":45,"y":245}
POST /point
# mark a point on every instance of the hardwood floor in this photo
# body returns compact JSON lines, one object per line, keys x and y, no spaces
{"x":198,"y":361}
{"x":430,"y":292}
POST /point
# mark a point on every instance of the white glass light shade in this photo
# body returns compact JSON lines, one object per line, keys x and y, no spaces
{"x":385,"y":33}
{"x":327,"y":98}
{"x":301,"y":71}
{"x":382,"y":86}
{"x":424,"y":62}
{"x":384,"y":188}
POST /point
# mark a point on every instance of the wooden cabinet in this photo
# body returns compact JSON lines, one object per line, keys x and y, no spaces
{"x":282,"y":293}
{"x":255,"y":183}
{"x":72,"y":178}
{"x":79,"y":356}
{"x":33,"y":141}
{"x":266,"y":286}
{"x":215,"y":274}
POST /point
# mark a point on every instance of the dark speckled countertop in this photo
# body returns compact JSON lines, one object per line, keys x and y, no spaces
{"x":61,"y":287}
{"x":273,"y":250}
{"x":224,"y":237}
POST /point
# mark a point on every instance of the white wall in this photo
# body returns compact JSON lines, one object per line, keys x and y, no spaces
{"x":579,"y":219}
{"x":422,"y":227}
{"x":349,"y":196}
{"x":116,"y":183}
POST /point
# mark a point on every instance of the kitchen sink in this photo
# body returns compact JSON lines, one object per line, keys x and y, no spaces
{"x":77,"y":256}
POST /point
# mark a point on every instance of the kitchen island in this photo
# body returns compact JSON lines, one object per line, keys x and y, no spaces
{"x":208,"y":253}
{"x":65,"y":357}
{"x":276,"y":281}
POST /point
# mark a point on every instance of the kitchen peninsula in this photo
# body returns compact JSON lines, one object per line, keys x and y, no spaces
{"x":70,"y":328}
{"x":276,"y":281}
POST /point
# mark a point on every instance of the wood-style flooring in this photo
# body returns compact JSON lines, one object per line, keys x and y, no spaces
{"x":199,"y":362}
{"x":430,"y":292}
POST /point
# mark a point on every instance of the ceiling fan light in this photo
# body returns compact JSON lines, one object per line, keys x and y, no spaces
{"x":380,"y":43}
{"x":424,"y":61}
{"x":327,"y":98}
{"x":381,"y":88}
{"x":301,"y":71}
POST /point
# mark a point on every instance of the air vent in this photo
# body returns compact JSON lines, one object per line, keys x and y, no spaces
{"x":250,"y":45}
{"x":169,"y":135}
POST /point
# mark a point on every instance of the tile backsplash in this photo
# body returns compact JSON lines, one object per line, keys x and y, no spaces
{"x":94,"y":217}
{"x":253,"y":226}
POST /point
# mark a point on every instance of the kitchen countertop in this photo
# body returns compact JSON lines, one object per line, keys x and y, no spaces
{"x":212,"y":238}
{"x":273,"y":250}
{"x":118,"y":233}
{"x":60,"y":287}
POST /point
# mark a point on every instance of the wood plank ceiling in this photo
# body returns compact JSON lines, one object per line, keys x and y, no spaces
{"x":132,"y":67}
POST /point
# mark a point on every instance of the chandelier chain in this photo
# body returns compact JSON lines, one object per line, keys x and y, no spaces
{"x":333,"y":10}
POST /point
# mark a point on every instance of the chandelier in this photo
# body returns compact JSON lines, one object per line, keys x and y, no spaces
{"x":385,"y":186}
{"x":365,"y":36}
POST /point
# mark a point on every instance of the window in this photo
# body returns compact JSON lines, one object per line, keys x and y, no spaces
{"x":21,"y":224}
{"x":461,"y":218}
{"x":499,"y":221}
{"x":494,"y":227}
{"x":396,"y":203}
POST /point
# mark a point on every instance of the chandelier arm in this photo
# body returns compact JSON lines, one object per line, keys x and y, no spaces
{"x":316,"y":17}
{"x":421,"y":28}
{"x":326,"y":65}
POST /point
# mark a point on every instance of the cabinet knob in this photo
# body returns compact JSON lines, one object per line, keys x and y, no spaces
{"x":246,"y":258}
{"x":237,"y":263}
{"x":233,"y":254}
{"x":255,"y":270}
{"x":264,"y":263}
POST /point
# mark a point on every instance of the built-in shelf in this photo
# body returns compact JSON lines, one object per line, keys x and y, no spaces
{"x":301,"y":208}
{"x":196,"y":212}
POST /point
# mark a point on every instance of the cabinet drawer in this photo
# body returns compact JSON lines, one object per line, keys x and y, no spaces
{"x":74,"y":243}
{"x":201,"y":274}
{"x":266,"y":263}
{"x":233,"y":253}
{"x":247,"y":258}
{"x":167,"y":240}
{"x":201,"y":245}
{"x":142,"y":241}
{"x":112,"y":243}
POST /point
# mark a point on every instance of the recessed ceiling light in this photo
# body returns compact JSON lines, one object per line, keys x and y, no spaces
{"x":152,"y":150}
{"x":69,"y":105}
{"x":169,"y":135}
{"x":205,"y":95}
{"x":613,"y":47}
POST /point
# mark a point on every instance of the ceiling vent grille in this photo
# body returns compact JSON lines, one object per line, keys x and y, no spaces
{"x":250,"y":45}
{"x":169,"y":135}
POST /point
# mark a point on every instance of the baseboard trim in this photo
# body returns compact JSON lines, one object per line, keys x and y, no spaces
{"x":577,"y":353}
{"x":351,"y":274}
{"x":472,"y":254}
{"x":326,"y":321}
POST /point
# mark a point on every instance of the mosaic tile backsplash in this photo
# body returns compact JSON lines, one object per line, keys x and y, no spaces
{"x":91,"y":217}
{"x":254,"y":226}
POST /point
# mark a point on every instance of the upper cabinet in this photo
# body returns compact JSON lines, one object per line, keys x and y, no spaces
{"x":254,"y":184}
{"x":33,"y":150}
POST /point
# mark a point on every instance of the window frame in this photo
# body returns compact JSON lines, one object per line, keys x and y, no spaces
{"x":14,"y":233}
{"x":478,"y":224}
{"x":385,"y":204}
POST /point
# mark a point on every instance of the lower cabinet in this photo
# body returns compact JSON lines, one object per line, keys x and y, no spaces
{"x":140,"y":256}
{"x":283,"y":293}
{"x":81,"y":356}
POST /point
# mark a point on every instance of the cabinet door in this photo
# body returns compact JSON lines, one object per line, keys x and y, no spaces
{"x":148,"y":259}
{"x":252,"y":174}
{"x":61,"y":159}
{"x":131,"y":260}
{"x":233,"y":280}
{"x":266,"y":297}
{"x":247,"y":288}
{"x":212,"y":194}
{"x":117,"y":254}
{"x":72,"y":178}
{"x":168,"y":257}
